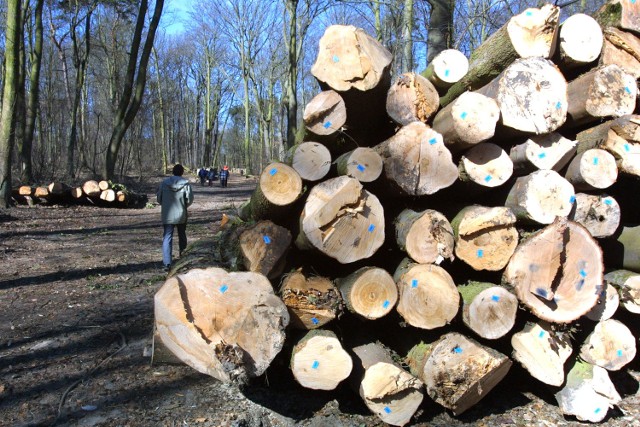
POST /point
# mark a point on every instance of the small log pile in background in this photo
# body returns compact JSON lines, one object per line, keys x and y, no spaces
{"x":452,"y":222}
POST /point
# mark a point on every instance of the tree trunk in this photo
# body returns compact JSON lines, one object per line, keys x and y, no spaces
{"x":440,"y":35}
{"x":611,"y":345}
{"x":485,"y":165}
{"x":627,"y":285}
{"x":549,"y":151}
{"x":312,"y":301}
{"x":311,"y":160}
{"x":592,"y":169}
{"x":412,"y":98}
{"x":600,"y":214}
{"x":623,"y":49}
{"x":557,"y":273}
{"x":581,"y":41}
{"x":446,"y":68}
{"x":363,"y":164}
{"x":487,"y":309}
{"x":427,"y":236}
{"x":369,"y":292}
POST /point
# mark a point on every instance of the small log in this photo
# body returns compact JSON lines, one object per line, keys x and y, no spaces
{"x":611,"y":345}
{"x":108,"y":195}
{"x":607,"y":305}
{"x":542,"y":352}
{"x":325,"y":114}
{"x":600,"y":214}
{"x":312,"y":301}
{"x":581,"y":41}
{"x":457,"y":371}
{"x":41,"y":192}
{"x":363,"y":164}
{"x":25,"y":190}
{"x":467,"y":121}
{"x":588,"y":393}
{"x":488,"y":310}
{"x":600,"y":93}
{"x":532,"y":96}
{"x":226,"y":325}
{"x":319,"y":362}
{"x":620,"y":14}
{"x":412,"y":98}
{"x":540,"y":197}
{"x":389,"y":391}
{"x":627,"y":284}
{"x":342,"y":220}
{"x":416,"y":161}
{"x":263,"y":247}
{"x":623,"y":49}
{"x":485,"y":165}
{"x":428,"y":295}
{"x":592,"y":169}
{"x":91,"y":188}
{"x":311,"y":160}
{"x":427,"y":236}
{"x":77,"y":192}
{"x":549,"y":151}
{"x":122,"y":196}
{"x":447,"y":68}
{"x":369,"y":292}
{"x":104,"y":185}
{"x":557,"y":273}
{"x":485,"y":238}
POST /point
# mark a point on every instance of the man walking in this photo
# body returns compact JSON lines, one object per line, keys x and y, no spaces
{"x":224,"y":176}
{"x":174,"y":196}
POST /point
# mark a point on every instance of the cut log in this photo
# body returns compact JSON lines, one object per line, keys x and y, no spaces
{"x":627,"y":284}
{"x":588,"y":393}
{"x":549,"y":151}
{"x":621,"y":14}
{"x":532,"y":33}
{"x":104,"y":185}
{"x":412,"y":98}
{"x":77,"y":192}
{"x":363,"y":164}
{"x":342,"y":220}
{"x":428,"y":295}
{"x":592,"y":169}
{"x":557,"y":273}
{"x":485,"y":238}
{"x":600,"y":214}
{"x":448,"y":67}
{"x":389,"y":391}
{"x":227,"y":325}
{"x":485,"y":165}
{"x":532,"y":96}
{"x":611,"y":345}
{"x":108,"y":195}
{"x":467,"y":121}
{"x":58,"y":188}
{"x":581,"y":41}
{"x":91,"y":188}
{"x":600,"y":93}
{"x":325,"y":114}
{"x":319,"y":362}
{"x":263,"y":247}
{"x":623,"y":49}
{"x":25,"y":190}
{"x":312,"y":301}
{"x":540,"y":197}
{"x":427,"y":236}
{"x":311,"y":160}
{"x":542,"y":352}
{"x":607,"y":305}
{"x":416,"y":161}
{"x":369,"y":292}
{"x":41,"y":192}
{"x":122,"y":196}
{"x":457,"y":371}
{"x":488,"y":310}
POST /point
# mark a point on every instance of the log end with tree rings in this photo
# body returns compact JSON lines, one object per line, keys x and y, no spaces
{"x":489,"y":311}
{"x":533,"y":32}
{"x":557,"y":272}
{"x":369,"y":292}
{"x":311,"y":160}
{"x":280,"y":184}
{"x":449,"y":66}
{"x":611,"y":345}
{"x":325,"y":114}
{"x":613,"y":93}
{"x":485,"y":165}
{"x":363,"y":164}
{"x":581,"y":40}
{"x":426,"y":236}
{"x":412,"y":98}
{"x":592,"y":169}
{"x":474,"y":118}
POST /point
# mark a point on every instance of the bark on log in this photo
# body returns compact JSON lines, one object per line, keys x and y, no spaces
{"x":557,"y":272}
{"x":627,"y":285}
{"x":485,"y":165}
{"x":91,"y":188}
{"x":389,"y":391}
{"x":369,"y":292}
{"x":488,"y":310}
{"x":312,"y":301}
{"x":588,"y":393}
{"x":319,"y":362}
{"x":311,"y":160}
{"x":620,"y":14}
{"x":623,"y":49}
{"x":549,"y":151}
{"x":363,"y":164}
{"x":485,"y":238}
{"x":600,"y":214}
{"x":412,"y":98}
{"x":467,"y":121}
{"x":540,"y":197}
{"x":416,"y":161}
{"x":428,"y":295}
{"x":581,"y":41}
{"x":611,"y":345}
{"x":457,"y":371}
{"x":542,"y":352}
{"x":227,"y":325}
{"x":342,"y":220}
{"x":448,"y":67}
{"x":531,"y":33}
{"x":325,"y":114}
{"x":607,"y":305}
{"x":427,"y":236}
{"x":592,"y":169}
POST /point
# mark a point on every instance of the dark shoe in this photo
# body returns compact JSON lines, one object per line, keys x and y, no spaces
{"x":166,"y":267}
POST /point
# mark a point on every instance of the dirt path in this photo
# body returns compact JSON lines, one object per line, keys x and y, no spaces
{"x":76,"y":314}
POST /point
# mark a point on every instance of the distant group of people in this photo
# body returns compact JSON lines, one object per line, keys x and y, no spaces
{"x":211,"y":175}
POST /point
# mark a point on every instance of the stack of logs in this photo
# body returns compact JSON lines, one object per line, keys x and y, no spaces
{"x":450,"y":222}
{"x":101,"y":193}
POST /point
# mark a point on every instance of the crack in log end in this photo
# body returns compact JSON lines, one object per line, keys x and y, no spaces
{"x":557,"y":279}
{"x":231,"y":357}
{"x":187,"y":309}
{"x":351,"y":210}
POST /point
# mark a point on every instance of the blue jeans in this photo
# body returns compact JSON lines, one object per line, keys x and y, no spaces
{"x":167,"y":241}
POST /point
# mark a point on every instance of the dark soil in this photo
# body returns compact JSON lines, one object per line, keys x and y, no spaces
{"x":76,"y":317}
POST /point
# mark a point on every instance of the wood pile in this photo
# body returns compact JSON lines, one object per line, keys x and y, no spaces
{"x":451,"y":227}
{"x":99,"y":193}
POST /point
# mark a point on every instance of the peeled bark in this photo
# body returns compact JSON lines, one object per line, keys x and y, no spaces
{"x":369,"y":292}
{"x":412,"y":98}
{"x":427,"y":236}
{"x":312,"y":301}
{"x":611,"y":345}
{"x":487,"y":309}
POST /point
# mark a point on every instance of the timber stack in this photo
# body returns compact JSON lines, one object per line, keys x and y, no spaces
{"x":461,"y":227}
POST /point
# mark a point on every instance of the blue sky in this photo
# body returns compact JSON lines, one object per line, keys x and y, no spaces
{"x":174,"y":12}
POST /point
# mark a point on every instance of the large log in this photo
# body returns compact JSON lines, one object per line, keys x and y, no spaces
{"x":485,"y":165}
{"x":91,"y":188}
{"x":548,"y":151}
{"x":342,"y":220}
{"x":457,"y":371}
{"x":108,"y":195}
{"x":581,"y":41}
{"x":227,"y":325}
{"x":25,"y":190}
{"x":363,"y":164}
{"x":312,"y":301}
{"x":487,"y":309}
{"x":532,"y":33}
{"x":428,"y":296}
{"x":389,"y":391}
{"x":369,"y":292}
{"x":412,"y":98}
{"x":311,"y":160}
{"x":611,"y":345}
{"x":427,"y":236}
{"x":325,"y":114}
{"x":621,"y":14}
{"x":448,"y":67}
{"x":600,"y":214}
{"x":592,"y":169}
{"x":557,"y":273}
{"x":623,"y":49}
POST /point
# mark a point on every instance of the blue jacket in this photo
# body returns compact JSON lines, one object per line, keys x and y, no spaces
{"x":174,"y":196}
{"x":224,"y":174}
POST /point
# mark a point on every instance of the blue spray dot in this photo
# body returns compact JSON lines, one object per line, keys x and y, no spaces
{"x":541,"y":334}
{"x":223,"y":289}
{"x":595,"y":161}
{"x":558,"y":105}
{"x":495,"y":298}
{"x":480,"y":253}
{"x":457,"y":349}
{"x":315,"y":364}
{"x":371,"y":228}
{"x":387,"y":409}
{"x":572,"y":199}
{"x":627,"y":148}
{"x":386,"y":304}
{"x":414,"y":283}
{"x":361,"y":168}
{"x":432,"y":141}
{"x":273,"y":171}
{"x":583,"y":273}
{"x":542,"y":292}
{"x":446,"y":72}
{"x":327,"y":125}
{"x":627,"y":89}
{"x":314,"y":320}
{"x":488,"y":178}
{"x":542,"y":155}
{"x":597,"y":410}
{"x":267,"y":239}
{"x":335,"y":58}
{"x":463,"y":115}
{"x":529,"y":13}
{"x":620,"y":353}
{"x":608,"y":202}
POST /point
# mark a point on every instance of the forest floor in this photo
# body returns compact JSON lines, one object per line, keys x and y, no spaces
{"x":76,"y":318}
